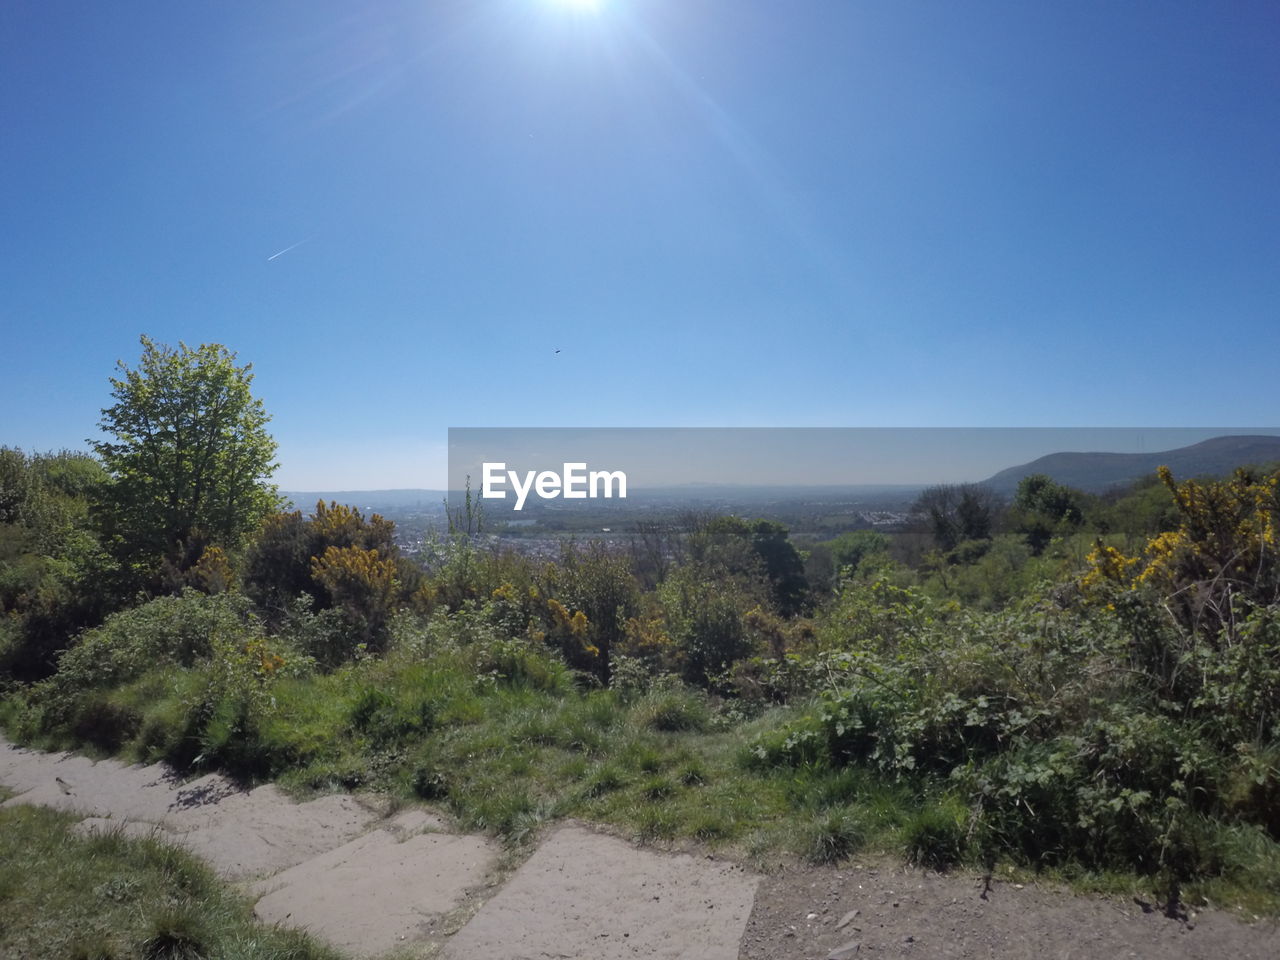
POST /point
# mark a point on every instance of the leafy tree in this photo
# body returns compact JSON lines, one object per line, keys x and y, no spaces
{"x":850,"y":548}
{"x":954,"y":513}
{"x":1045,"y":509}
{"x":752,"y":551}
{"x":55,"y":579}
{"x":188,"y":453}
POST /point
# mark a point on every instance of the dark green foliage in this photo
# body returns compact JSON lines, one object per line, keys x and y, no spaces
{"x":55,"y":579}
{"x":599,"y":583}
{"x":103,"y":724}
{"x":832,"y":836}
{"x":278,"y":564}
{"x":953,"y":514}
{"x":1142,"y":511}
{"x":177,"y":933}
{"x":849,"y":549}
{"x":751,"y":551}
{"x":1044,"y":509}
{"x":705,"y":620}
{"x":386,"y":719}
{"x":181,"y":631}
{"x":1061,"y":757}
{"x":672,"y":711}
{"x":430,"y":782}
{"x":15,"y":485}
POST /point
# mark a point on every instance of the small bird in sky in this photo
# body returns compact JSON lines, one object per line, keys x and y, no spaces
{"x":557,"y":349}
{"x":63,"y":786}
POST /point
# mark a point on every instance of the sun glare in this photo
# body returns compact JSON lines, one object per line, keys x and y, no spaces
{"x":584,"y":6}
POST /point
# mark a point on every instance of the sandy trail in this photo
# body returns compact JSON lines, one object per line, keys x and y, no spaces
{"x":405,"y":884}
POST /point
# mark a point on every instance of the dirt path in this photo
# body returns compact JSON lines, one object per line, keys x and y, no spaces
{"x":896,"y":912}
{"x":407,"y":884}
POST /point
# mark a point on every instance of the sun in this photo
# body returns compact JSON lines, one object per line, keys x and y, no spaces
{"x":583,"y":6}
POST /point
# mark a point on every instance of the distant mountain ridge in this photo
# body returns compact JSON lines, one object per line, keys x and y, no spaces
{"x":1098,"y":472}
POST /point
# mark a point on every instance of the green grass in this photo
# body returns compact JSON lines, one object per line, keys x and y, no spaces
{"x":63,"y":895}
{"x":508,"y":755}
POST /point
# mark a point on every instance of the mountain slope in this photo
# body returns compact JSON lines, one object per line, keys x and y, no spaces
{"x":1096,"y":472}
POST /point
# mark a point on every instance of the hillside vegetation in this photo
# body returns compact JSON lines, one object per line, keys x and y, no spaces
{"x":1067,"y":683}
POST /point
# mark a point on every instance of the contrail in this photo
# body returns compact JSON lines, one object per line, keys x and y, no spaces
{"x":287,"y":249}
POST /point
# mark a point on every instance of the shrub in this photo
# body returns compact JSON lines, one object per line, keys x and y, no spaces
{"x":181,"y":631}
{"x":362,"y":585}
{"x":519,"y":663}
{"x":705,"y":622}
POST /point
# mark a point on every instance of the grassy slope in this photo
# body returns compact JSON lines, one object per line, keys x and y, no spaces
{"x":506,"y":756}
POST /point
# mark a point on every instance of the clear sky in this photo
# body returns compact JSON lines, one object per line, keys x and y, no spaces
{"x":721,"y":212}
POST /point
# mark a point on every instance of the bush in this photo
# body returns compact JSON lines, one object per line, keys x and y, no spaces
{"x":518,"y":663}
{"x":705,"y":622}
{"x":179,"y":631}
{"x":362,"y":585}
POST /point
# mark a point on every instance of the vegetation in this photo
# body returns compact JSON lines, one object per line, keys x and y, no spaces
{"x":189,"y":454}
{"x":109,"y":896}
{"x":1070,"y":683}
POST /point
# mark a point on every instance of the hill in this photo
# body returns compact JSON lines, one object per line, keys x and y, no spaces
{"x":1097,"y":472}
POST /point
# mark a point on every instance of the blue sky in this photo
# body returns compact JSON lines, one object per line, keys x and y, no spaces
{"x":722,"y":212}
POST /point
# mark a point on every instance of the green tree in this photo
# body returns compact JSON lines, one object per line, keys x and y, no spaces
{"x":850,"y":548}
{"x":757,"y":550}
{"x":1045,"y":509}
{"x":188,"y":453}
{"x":55,"y":579}
{"x":955,"y":513}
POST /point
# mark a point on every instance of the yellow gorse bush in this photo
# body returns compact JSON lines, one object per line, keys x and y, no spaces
{"x":362,"y":583}
{"x":570,"y":626}
{"x":347,"y":571}
{"x":213,"y":573}
{"x":1224,"y":548}
{"x":340,"y":524}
